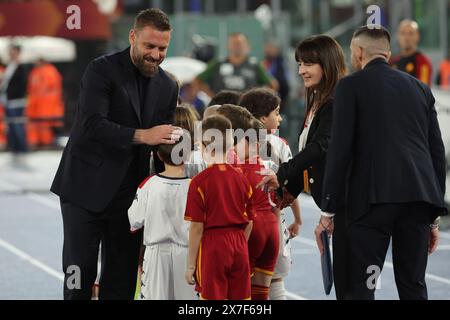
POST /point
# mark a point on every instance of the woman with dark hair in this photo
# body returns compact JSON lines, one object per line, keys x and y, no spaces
{"x":321,"y":65}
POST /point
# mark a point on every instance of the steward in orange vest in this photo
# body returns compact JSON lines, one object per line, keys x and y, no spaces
{"x":45,"y":107}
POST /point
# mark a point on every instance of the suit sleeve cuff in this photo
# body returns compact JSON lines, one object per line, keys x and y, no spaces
{"x":327,"y":214}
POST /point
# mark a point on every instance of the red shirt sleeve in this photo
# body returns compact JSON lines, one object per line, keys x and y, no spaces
{"x":195,"y":206}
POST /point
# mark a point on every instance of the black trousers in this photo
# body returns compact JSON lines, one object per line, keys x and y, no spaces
{"x":368,"y":241}
{"x":83,"y":232}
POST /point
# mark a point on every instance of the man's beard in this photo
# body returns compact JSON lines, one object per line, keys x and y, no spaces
{"x":143,"y":67}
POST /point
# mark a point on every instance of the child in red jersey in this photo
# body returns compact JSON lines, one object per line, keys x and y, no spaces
{"x":264,"y":105}
{"x":220,"y":209}
{"x":264,"y":241}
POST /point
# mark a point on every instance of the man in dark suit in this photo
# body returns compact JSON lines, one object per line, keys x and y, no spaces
{"x":125,"y":107}
{"x":385,"y":169}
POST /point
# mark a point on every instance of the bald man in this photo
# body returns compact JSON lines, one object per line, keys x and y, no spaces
{"x":385,"y":169}
{"x":410,"y":60}
{"x":238,"y":72}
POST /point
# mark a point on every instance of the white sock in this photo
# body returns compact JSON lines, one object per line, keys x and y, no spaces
{"x":277,"y":291}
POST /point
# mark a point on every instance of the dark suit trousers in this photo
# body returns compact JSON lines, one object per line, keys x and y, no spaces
{"x":368,"y":242}
{"x":83,"y":232}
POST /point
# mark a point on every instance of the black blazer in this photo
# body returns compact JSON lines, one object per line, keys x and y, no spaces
{"x":386,"y":145}
{"x":312,"y":158}
{"x":99,"y":152}
{"x":17,"y":86}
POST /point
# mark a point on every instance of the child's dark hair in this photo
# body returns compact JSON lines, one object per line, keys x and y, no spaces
{"x":259,"y":128}
{"x":220,"y":123}
{"x":265,"y":147}
{"x":239,"y":117}
{"x":165,"y":152}
{"x":225,"y":97}
{"x":260,"y":101}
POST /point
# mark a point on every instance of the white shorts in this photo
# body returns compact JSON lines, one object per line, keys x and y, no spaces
{"x":284,"y":254}
{"x":164,"y":269}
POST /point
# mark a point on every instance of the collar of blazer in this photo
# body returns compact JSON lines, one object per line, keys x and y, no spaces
{"x":312,"y":125}
{"x":376,"y":61}
{"x":130,"y":83}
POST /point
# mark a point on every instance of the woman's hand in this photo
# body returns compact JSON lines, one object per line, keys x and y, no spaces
{"x":270,"y":180}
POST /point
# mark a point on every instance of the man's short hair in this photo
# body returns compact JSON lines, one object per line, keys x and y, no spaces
{"x":165,"y":152}
{"x":260,"y":101}
{"x":152,"y":17}
{"x":225,"y":97}
{"x":374,"y":32}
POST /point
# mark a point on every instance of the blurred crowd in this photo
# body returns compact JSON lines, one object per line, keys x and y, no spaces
{"x":31,"y":104}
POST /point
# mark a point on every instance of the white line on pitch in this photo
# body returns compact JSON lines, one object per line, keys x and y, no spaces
{"x":25,"y":256}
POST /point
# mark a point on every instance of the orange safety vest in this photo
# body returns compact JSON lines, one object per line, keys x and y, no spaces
{"x":45,"y":93}
{"x":445,"y":74}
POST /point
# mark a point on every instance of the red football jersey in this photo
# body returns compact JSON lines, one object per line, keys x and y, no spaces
{"x":418,"y":65}
{"x":220,"y":197}
{"x":260,"y":198}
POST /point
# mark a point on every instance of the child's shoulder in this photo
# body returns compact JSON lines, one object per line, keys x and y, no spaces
{"x":201,"y":176}
{"x":145,"y":182}
{"x":217,"y":173}
{"x":277,"y":139}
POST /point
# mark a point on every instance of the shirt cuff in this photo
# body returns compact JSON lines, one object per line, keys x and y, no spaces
{"x":327,"y":214}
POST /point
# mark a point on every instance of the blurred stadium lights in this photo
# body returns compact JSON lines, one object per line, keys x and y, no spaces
{"x":264,"y":15}
{"x":106,"y":6}
{"x":50,"y":49}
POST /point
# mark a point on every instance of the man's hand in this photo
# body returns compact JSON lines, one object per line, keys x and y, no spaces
{"x":324,"y":224}
{"x":270,"y":181}
{"x":190,"y":275}
{"x":162,"y":134}
{"x":434,"y":240}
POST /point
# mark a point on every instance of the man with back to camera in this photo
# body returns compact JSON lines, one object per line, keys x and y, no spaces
{"x":386,"y":167}
{"x":126,"y":105}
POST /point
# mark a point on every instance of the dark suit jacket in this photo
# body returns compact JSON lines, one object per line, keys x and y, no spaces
{"x":17,"y":86}
{"x":312,"y":158}
{"x":99,"y":152}
{"x":386,"y":145}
